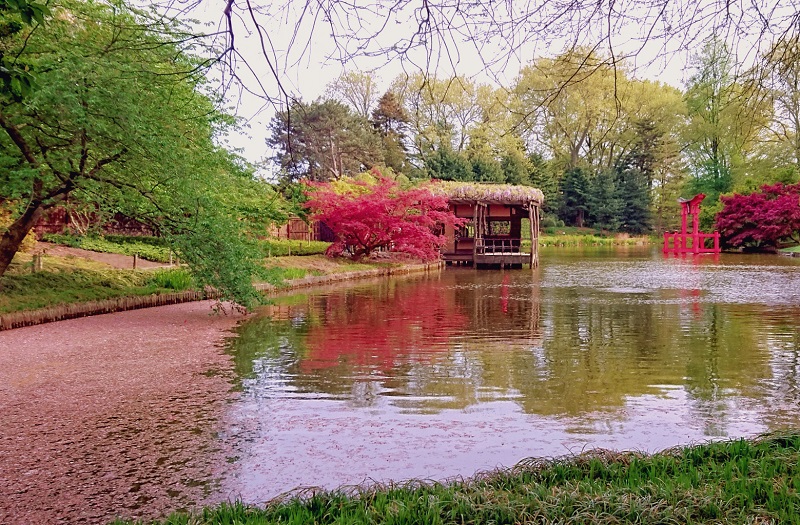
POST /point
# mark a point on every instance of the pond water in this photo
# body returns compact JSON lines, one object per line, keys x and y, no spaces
{"x":426,"y":377}
{"x":442,"y":376}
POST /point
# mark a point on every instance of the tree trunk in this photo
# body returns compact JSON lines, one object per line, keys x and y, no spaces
{"x":13,"y":237}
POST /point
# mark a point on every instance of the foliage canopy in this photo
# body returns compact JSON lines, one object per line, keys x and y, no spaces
{"x":120,"y":119}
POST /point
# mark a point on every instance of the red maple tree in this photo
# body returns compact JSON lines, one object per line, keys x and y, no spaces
{"x":366,"y":217}
{"x":762,"y":219}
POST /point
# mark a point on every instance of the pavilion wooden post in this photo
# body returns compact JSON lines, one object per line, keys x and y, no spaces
{"x":475,"y":235}
{"x":533,"y":219}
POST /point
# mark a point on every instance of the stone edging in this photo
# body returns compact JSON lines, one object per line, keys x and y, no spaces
{"x":121,"y":304}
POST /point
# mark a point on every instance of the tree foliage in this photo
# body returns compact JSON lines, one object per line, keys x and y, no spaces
{"x":16,"y":79}
{"x":323,"y":140}
{"x":370,"y":216}
{"x":762,"y":219}
{"x":357,"y":90}
{"x":120,"y":120}
{"x":574,"y":197}
{"x":390,"y":120}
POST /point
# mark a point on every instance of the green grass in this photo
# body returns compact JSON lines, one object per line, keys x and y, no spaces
{"x":736,"y":482}
{"x":590,"y":240}
{"x":792,"y":249}
{"x":149,"y":248}
{"x":277,"y":276}
{"x":283,"y":247}
{"x":73,"y":282}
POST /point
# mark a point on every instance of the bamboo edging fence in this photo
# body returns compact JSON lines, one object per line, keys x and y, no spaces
{"x":121,"y":304}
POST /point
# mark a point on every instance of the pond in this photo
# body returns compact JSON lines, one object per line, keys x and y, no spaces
{"x":422,"y":377}
{"x":443,"y":376}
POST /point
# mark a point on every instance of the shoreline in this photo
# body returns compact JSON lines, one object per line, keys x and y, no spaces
{"x":747,"y":480}
{"x":51,"y":314}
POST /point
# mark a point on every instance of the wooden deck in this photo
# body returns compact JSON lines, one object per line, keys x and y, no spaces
{"x":491,"y":254}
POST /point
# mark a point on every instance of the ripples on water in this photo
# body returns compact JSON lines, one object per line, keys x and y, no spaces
{"x":441,"y":376}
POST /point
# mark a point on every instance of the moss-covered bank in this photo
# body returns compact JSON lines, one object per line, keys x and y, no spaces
{"x":755,"y":481}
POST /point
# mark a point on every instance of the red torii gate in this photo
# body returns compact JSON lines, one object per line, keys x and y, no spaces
{"x":681,"y":241}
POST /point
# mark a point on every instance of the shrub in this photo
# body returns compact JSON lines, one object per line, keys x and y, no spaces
{"x":381,"y":215}
{"x":761,"y":219}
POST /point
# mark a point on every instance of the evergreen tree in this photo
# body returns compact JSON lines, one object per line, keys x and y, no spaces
{"x":541,"y":176}
{"x":486,"y":169}
{"x":605,"y":206}
{"x":575,"y":195}
{"x":322,"y":141}
{"x":633,"y":196}
{"x":515,"y":168}
{"x":446,"y":164}
{"x":390,"y":120}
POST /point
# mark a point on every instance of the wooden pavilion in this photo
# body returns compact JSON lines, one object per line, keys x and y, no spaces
{"x":492,"y":236}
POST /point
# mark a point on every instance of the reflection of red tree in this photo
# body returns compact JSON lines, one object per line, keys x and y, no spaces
{"x":407,"y":323}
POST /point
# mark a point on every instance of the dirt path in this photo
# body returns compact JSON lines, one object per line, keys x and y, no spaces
{"x":113,"y":415}
{"x":115,"y":260}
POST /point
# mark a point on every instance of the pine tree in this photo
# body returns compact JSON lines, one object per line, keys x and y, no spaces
{"x":575,"y":195}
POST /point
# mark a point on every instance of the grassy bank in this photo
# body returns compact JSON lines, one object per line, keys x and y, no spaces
{"x":71,"y":280}
{"x":570,"y":236}
{"x":157,"y":249}
{"x":793,"y":249}
{"x":150,"y":248}
{"x":733,"y":482}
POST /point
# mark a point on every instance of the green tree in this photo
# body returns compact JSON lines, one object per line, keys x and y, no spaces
{"x":574,"y":197}
{"x":723,"y":122}
{"x":390,"y":120}
{"x":516,"y":168}
{"x":542,"y":175}
{"x":16,"y":79}
{"x":571,"y":105}
{"x":655,"y":155}
{"x":323,"y":141}
{"x":776,"y":80}
{"x":633,"y":196}
{"x":603,"y":203}
{"x":446,"y":164}
{"x":119,"y":119}
{"x":485,"y":167}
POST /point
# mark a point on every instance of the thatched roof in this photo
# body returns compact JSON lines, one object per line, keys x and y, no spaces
{"x":488,"y":193}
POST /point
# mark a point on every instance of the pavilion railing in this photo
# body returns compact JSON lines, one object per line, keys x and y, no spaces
{"x":498,"y":246}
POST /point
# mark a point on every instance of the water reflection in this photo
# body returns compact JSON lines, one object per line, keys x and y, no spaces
{"x":626,"y":348}
{"x":575,"y":337}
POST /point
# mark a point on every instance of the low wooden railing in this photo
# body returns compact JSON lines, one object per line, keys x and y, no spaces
{"x":498,"y":246}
